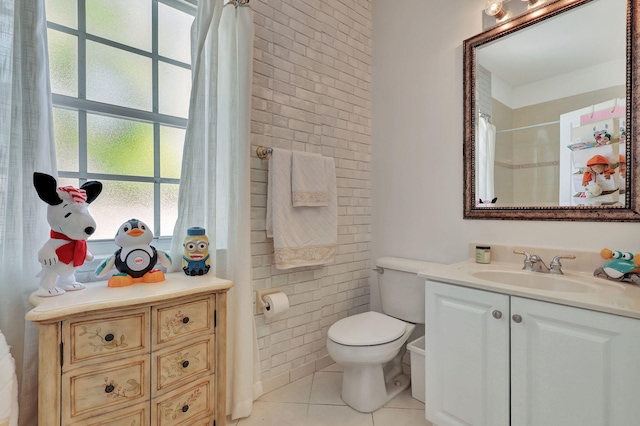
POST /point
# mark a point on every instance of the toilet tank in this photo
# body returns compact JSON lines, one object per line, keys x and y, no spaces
{"x":401,"y":289}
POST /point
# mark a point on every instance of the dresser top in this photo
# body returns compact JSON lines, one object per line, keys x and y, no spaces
{"x":97,"y":296}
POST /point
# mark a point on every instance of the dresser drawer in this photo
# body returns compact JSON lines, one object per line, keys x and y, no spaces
{"x":204,"y":422}
{"x":105,"y":336}
{"x":137,"y":415}
{"x":182,"y":406}
{"x":179,"y":364}
{"x":90,"y":391}
{"x":172,"y":322}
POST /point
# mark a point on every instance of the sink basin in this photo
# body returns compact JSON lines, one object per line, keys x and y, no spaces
{"x":538,"y":281}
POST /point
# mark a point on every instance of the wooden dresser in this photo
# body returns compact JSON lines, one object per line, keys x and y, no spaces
{"x":148,"y":354}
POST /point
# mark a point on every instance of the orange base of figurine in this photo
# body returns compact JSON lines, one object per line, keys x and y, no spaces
{"x":153,"y":276}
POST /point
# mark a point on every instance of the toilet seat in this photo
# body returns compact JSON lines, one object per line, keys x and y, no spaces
{"x":366,"y":329}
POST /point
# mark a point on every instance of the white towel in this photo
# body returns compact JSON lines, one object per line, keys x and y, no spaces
{"x":308,"y":180}
{"x":302,"y":236}
{"x":8,"y":386}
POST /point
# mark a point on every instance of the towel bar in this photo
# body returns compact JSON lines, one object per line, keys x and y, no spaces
{"x":263,"y":151}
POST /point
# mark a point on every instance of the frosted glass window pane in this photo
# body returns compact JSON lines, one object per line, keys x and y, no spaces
{"x":65,"y":126}
{"x":171,"y":145}
{"x":119,"y":202}
{"x":175,"y":90}
{"x":174,"y":33}
{"x":63,"y":12}
{"x":125,"y":21}
{"x":118,"y":77}
{"x":168,"y":208}
{"x":120,"y":147}
{"x":63,"y":63}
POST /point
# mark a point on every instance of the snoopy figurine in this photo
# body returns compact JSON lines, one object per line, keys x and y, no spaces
{"x":71,"y":225}
{"x":136,"y":259}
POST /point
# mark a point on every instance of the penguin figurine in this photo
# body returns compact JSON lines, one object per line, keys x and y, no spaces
{"x":135,"y":259}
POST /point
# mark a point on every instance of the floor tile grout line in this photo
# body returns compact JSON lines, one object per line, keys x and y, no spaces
{"x":313,"y":378}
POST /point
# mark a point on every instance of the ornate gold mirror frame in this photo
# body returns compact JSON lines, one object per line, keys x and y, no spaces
{"x":628,"y":212}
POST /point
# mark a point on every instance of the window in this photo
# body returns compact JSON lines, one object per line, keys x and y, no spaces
{"x":121,"y":82}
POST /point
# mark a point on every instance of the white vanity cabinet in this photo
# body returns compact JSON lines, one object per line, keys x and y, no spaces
{"x":494,"y":359}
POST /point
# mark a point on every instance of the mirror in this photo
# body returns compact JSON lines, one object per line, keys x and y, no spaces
{"x":549,"y":101}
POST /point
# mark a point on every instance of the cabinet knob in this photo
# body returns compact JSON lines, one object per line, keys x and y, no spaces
{"x":108,"y":337}
{"x":109,"y":388}
{"x":185,"y":320}
{"x":496,"y":314}
{"x":517,"y":318}
{"x":185,"y":408}
{"x":185,"y":364}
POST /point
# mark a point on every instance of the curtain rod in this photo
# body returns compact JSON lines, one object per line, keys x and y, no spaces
{"x":237,"y":3}
{"x":529,"y":127}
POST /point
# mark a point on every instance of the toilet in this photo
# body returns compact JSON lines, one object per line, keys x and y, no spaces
{"x":370,"y":345}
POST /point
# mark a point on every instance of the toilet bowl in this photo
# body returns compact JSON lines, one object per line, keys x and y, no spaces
{"x":370,"y":348}
{"x":370,"y":345}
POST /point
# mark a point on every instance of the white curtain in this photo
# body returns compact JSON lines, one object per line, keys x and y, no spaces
{"x":485,"y":156}
{"x":26,"y":145}
{"x":215,"y":180}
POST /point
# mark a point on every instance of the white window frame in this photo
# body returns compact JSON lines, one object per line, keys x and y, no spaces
{"x":84,"y":106}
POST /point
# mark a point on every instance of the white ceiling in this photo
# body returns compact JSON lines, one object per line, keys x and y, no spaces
{"x":591,"y":34}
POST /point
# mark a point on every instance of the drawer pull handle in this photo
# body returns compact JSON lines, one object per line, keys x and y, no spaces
{"x":109,"y":388}
{"x":185,"y":364}
{"x":185,"y":408}
{"x":108,"y":337}
{"x":185,"y":320}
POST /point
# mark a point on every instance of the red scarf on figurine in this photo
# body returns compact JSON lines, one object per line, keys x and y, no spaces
{"x":74,"y":250}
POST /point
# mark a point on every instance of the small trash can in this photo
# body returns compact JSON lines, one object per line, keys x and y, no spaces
{"x":416,"y":348}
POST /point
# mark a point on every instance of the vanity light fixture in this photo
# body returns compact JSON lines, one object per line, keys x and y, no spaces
{"x":494,"y":8}
{"x":534,"y":3}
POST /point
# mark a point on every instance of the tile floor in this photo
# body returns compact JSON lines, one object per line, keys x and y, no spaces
{"x":315,"y":400}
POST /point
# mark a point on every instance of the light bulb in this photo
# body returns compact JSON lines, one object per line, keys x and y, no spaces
{"x":494,"y":8}
{"x":534,"y":3}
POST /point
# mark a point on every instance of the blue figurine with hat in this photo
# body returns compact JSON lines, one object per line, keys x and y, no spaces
{"x":196,"y":259}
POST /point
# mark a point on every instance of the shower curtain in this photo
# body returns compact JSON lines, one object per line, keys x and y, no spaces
{"x":485,"y":157}
{"x":215,"y":180}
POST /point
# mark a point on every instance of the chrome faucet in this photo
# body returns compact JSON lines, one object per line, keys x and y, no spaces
{"x":538,"y":265}
{"x":528,"y":264}
{"x":533,"y":262}
{"x":556,"y":266}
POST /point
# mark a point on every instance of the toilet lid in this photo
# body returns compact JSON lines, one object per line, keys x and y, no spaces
{"x":366,"y":329}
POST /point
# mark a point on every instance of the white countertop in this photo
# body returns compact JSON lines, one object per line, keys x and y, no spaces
{"x":619,"y":298}
{"x":98,"y":296}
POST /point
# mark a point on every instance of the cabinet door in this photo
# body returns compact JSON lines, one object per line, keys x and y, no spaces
{"x":466,"y":356}
{"x":572,"y":366}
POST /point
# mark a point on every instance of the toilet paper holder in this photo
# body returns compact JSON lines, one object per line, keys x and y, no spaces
{"x":260,"y":294}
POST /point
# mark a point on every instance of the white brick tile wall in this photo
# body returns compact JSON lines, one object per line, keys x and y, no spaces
{"x":311,"y":92}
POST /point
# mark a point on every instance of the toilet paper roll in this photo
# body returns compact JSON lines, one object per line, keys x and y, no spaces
{"x":274,"y":304}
